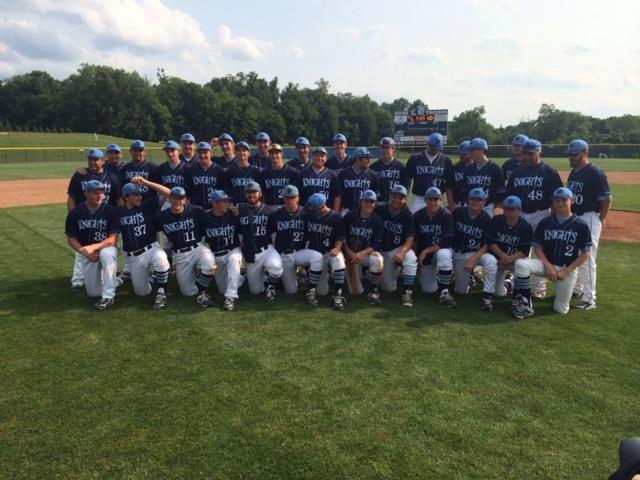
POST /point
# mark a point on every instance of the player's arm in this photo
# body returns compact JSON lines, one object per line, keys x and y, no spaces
{"x":161,"y":189}
{"x":337,"y":204}
{"x":473,"y":259}
{"x":552,"y":273}
{"x":451,"y":203}
{"x":605,"y":206}
{"x":406,"y":246}
{"x":75,"y":244}
{"x":337,"y":246}
{"x":502,"y":255}
{"x":71,"y":203}
{"x":583,"y":257}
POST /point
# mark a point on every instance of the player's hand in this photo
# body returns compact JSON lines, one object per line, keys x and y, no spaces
{"x":468,"y":267}
{"x":399,"y":257}
{"x":356,"y":258}
{"x":138,"y":180}
{"x":215,"y":141}
{"x":552,"y":273}
{"x":334,"y":252}
{"x":562,"y":274}
{"x":421,"y":258}
{"x":82,"y":171}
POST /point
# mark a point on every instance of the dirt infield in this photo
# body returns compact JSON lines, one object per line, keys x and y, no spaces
{"x":615,"y":178}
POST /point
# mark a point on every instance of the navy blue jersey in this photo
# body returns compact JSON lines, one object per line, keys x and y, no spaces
{"x":397,"y":227}
{"x":458,"y":185}
{"x":511,"y":239}
{"x":323,"y":231}
{"x":137,"y":225}
{"x":325,"y":182}
{"x":288,"y":228}
{"x":296,"y":164}
{"x":470,"y":234}
{"x":534,"y":186}
{"x":189,"y":161}
{"x":221,"y":232}
{"x":182,"y":229}
{"x":509,"y":166}
{"x":430,"y":231}
{"x":235,"y":178}
{"x":111,"y":182}
{"x":199,"y":183}
{"x":590,"y":186}
{"x":361,"y":233}
{"x":113,"y":169}
{"x":489,"y":178}
{"x":562,"y":243}
{"x":257,"y":161}
{"x":336,"y":165}
{"x":389,"y":176}
{"x":89,"y":227}
{"x":223,"y":162}
{"x":170,"y":176}
{"x":274,"y":183}
{"x":425,"y":174}
{"x":353,"y":184}
{"x":253,"y":228}
{"x":145,"y":170}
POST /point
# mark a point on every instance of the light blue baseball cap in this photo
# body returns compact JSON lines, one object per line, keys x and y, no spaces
{"x":218,"y":196}
{"x":577,"y":146}
{"x":290,"y":191}
{"x":320,"y":150}
{"x":563,"y":192}
{"x":369,"y":195}
{"x":92,"y":185}
{"x":263,"y":136}
{"x":252,"y":187}
{"x":187,"y":137}
{"x":225,"y":136}
{"x":519,"y":140}
{"x":433,"y":192}
{"x":203,"y":146}
{"x":477,"y":194}
{"x":399,"y":189}
{"x":387,"y":142}
{"x":463,"y":147}
{"x":436,"y":140}
{"x":302,"y":141}
{"x":130,"y":189}
{"x":532,"y":146}
{"x":112,"y":147}
{"x":478,"y":144}
{"x":242,"y":145}
{"x":139,"y":144}
{"x":362,"y":152}
{"x":512,"y":203}
{"x":95,"y":153}
{"x":178,"y":192}
{"x":316,"y":200}
{"x":338,"y":137}
{"x":170,"y":145}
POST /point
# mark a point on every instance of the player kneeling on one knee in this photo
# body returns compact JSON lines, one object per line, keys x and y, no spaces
{"x":221,"y":232}
{"x":471,"y":238}
{"x":183,"y":226}
{"x":324,"y":233}
{"x":397,"y":244}
{"x":364,"y":229}
{"x":561,"y":242}
{"x":92,"y":230}
{"x":434,"y":238}
{"x":140,"y":239}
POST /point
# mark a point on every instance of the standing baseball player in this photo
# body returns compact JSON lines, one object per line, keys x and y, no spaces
{"x":188,"y":153}
{"x":138,"y":167}
{"x":140,"y":240}
{"x":92,"y":231}
{"x":472,"y":228}
{"x":171,"y":173}
{"x":434,"y":240}
{"x":264,"y":265}
{"x":114,"y":159}
{"x":397,"y":244}
{"x":390,"y":171}
{"x":518,"y":156}
{"x":221,"y":231}
{"x":590,"y":188}
{"x":339,"y":160}
{"x":562,"y":243}
{"x":241,"y":173}
{"x":364,"y":231}
{"x":276,"y":176}
{"x":485,"y":174}
{"x":458,"y":187}
{"x":227,"y":145}
{"x":302,"y":154}
{"x":355,"y":179}
{"x":261,"y":158}
{"x":194,"y":262}
{"x":324,"y":234}
{"x":430,"y":168}
{"x":203,"y":177}
{"x":533,"y":183}
{"x":319,"y":179}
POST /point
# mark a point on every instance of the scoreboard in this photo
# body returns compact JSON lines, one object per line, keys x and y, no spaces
{"x":415,"y":126}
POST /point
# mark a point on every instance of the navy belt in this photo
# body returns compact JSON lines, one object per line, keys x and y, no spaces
{"x":137,"y":253}
{"x":185,"y":249}
{"x":288,"y":252}
{"x":220,"y":253}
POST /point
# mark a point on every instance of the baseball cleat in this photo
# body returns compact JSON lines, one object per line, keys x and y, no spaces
{"x":447,"y":300}
{"x":508,"y":285}
{"x":160,"y":301}
{"x":486,"y":304}
{"x":270,"y":293}
{"x":407,"y":299}
{"x":77,"y":287}
{"x":339,"y":302}
{"x":312,"y":298}
{"x":522,"y":311}
{"x":204,"y":300}
{"x":514,"y":304}
{"x":577,"y":294}
{"x":229,"y":304}
{"x":538,"y":295}
{"x":104,"y":303}
{"x":124,"y":276}
{"x":585,"y":305}
{"x":374,"y":298}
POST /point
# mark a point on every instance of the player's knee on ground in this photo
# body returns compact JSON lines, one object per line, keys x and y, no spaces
{"x":523,"y":268}
{"x":444,"y":259}
{"x":160,"y":261}
{"x":376,"y":262}
{"x":337,"y":262}
{"x":410,"y":263}
{"x":108,"y":254}
{"x":428,"y":284}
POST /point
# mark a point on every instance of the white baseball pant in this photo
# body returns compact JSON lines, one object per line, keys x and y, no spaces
{"x":587,"y":272}
{"x":537,"y":283}
{"x":304,"y":258}
{"x":390,"y":270}
{"x":335,"y":263}
{"x":78,"y":265}
{"x":489,"y":266}
{"x":100,"y":277}
{"x":525,"y":267}
{"x":155,"y":259}
{"x":228,"y":272}
{"x":374,"y":262}
{"x":189,"y":263}
{"x":266,"y":262}
{"x":442,"y":260}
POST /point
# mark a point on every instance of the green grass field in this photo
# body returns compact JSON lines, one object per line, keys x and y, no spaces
{"x":626,"y":197}
{"x":288,"y":391}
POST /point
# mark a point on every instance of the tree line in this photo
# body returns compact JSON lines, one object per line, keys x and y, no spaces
{"x":120,"y":103}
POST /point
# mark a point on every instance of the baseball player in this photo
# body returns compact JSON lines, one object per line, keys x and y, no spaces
{"x":518,"y":156}
{"x":458,"y":187}
{"x":339,"y":160}
{"x":188,"y":153}
{"x":92,"y":231}
{"x":355,"y":179}
{"x":287,"y":225}
{"x":590,"y":188}
{"x":261,"y":158}
{"x":140,"y":239}
{"x":511,"y":238}
{"x":430,"y":168}
{"x":203,"y":177}
{"x":319,"y":179}
{"x":434,"y":240}
{"x":264,"y":265}
{"x":238,"y":175}
{"x":221,"y":231}
{"x":562,"y":243}
{"x":114,"y":159}
{"x":485,"y":174}
{"x":302,"y":154}
{"x":397,"y":244}
{"x":390,"y":171}
{"x":533,"y":183}
{"x":472,"y":228}
{"x":227,"y":145}
{"x":138,"y":167}
{"x":324,"y":233}
{"x":276,"y":176}
{"x":171,"y":173}
{"x":194,"y":262}
{"x":364,"y":230}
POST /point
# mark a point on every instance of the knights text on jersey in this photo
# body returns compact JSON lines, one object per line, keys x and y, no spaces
{"x":390,"y":175}
{"x":137,"y":226}
{"x":489,"y":178}
{"x":253,"y":228}
{"x":458,"y":185}
{"x":145,"y":170}
{"x":534,"y":186}
{"x":353,"y":184}
{"x":425,"y":173}
{"x":325,"y":182}
{"x":221,"y":232}
{"x":288,"y":228}
{"x":89,"y":227}
{"x":199,"y":183}
{"x":435,"y":230}
{"x":470,"y":234}
{"x":323,"y":231}
{"x":235,"y":178}
{"x":169,"y":175}
{"x":590,"y":187}
{"x":111,"y":182}
{"x":511,"y":239}
{"x":361,"y":233}
{"x":562,"y":243}
{"x":181,"y":229}
{"x":397,"y":226}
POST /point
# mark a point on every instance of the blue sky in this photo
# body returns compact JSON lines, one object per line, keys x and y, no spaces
{"x":509,"y":56}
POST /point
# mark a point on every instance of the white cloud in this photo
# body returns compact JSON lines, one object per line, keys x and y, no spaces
{"x":29,"y":40}
{"x":365,"y":32}
{"x":578,"y":49}
{"x":425,"y":55}
{"x":629,"y":81}
{"x":534,"y":79}
{"x":242,"y":48}
{"x":499,"y":44}
{"x":297,"y":52}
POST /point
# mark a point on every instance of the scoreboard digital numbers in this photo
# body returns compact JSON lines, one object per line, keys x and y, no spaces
{"x":415,"y":126}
